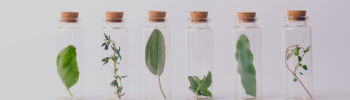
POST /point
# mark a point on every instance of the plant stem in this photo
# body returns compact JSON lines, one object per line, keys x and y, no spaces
{"x":294,"y":73}
{"x":197,"y":94}
{"x":115,"y":72}
{"x":161,"y":87}
{"x":70,"y":93}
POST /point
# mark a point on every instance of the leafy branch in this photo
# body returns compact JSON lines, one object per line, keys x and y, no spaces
{"x":200,"y":87}
{"x":114,"y":58}
{"x":295,"y":52}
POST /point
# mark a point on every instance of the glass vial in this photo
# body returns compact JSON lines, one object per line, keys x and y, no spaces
{"x":114,"y":55}
{"x":247,"y":57}
{"x":199,"y":56}
{"x":157,"y":66}
{"x":298,"y":56}
{"x":69,"y":48}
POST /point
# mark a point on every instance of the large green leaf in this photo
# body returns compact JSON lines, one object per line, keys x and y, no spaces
{"x":245,"y":65}
{"x":67,"y":66}
{"x":155,"y":53}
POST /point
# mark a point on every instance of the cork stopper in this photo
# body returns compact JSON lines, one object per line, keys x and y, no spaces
{"x":246,"y":16}
{"x":69,"y":17}
{"x":296,"y":15}
{"x":114,"y":16}
{"x":199,"y":16}
{"x":156,"y":16}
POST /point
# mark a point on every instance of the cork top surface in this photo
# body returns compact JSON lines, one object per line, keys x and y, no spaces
{"x":114,"y":14}
{"x":199,"y":14}
{"x":153,"y":13}
{"x":245,"y":14}
{"x":69,"y":14}
{"x":296,"y":13}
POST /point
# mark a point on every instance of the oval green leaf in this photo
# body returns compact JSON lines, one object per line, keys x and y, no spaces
{"x":304,"y":67}
{"x":155,"y":53}
{"x":245,"y":65}
{"x":67,"y":66}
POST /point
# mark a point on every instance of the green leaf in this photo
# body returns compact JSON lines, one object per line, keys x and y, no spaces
{"x":197,"y":79}
{"x":206,"y":93}
{"x":123,"y":76}
{"x":193,"y":82}
{"x":300,"y":64}
{"x":289,"y":55}
{"x":301,"y":73}
{"x":245,"y":65}
{"x":307,"y":49}
{"x":304,"y":67}
{"x":295,"y":80}
{"x":206,"y":82}
{"x":155,"y":53}
{"x":296,"y":51}
{"x":299,"y":59}
{"x":67,"y":66}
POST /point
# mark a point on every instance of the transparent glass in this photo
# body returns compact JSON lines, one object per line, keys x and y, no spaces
{"x":199,"y":54}
{"x":69,"y":33}
{"x":245,"y":85}
{"x":119,"y":34}
{"x":297,"y":34}
{"x":154,"y":84}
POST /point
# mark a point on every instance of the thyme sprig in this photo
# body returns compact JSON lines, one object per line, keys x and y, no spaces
{"x":295,"y":52}
{"x":116,"y":55}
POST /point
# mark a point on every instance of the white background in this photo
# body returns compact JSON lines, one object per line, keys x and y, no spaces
{"x":27,"y":44}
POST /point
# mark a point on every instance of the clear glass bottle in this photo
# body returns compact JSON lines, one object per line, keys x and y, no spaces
{"x":157,"y":54}
{"x":298,"y":56}
{"x":247,"y":55}
{"x":114,"y":72}
{"x":199,"y":55}
{"x":69,"y":35}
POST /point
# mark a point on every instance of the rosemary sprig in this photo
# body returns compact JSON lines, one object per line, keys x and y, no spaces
{"x":116,"y":55}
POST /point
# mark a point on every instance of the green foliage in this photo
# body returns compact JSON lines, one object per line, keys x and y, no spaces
{"x":200,"y":87}
{"x":155,"y":54}
{"x":67,"y":66}
{"x":115,"y":57}
{"x":245,"y":65}
{"x":295,"y":80}
{"x":301,"y":73}
{"x":300,"y":58}
{"x":304,"y":67}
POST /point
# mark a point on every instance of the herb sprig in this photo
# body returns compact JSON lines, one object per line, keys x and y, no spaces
{"x":200,"y":87}
{"x":295,"y":52}
{"x":114,"y":58}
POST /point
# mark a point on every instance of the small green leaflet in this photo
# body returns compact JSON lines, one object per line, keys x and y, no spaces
{"x":155,"y":53}
{"x":200,"y":87}
{"x":295,"y":80}
{"x":299,"y":59}
{"x":307,"y":49}
{"x":301,"y":73}
{"x":67,"y":66}
{"x":246,"y":68}
{"x":304,"y":67}
{"x":296,"y":51}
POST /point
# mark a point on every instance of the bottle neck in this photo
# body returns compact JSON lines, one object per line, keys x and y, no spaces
{"x":296,"y":23}
{"x":199,"y":25}
{"x":156,"y":25}
{"x":69,"y":25}
{"x":114,"y":25}
{"x":246,"y":24}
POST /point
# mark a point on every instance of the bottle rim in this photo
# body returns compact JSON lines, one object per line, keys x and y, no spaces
{"x":246,"y":19}
{"x":69,"y":20}
{"x":296,"y":18}
{"x":113,"y":20}
{"x":198,"y":20}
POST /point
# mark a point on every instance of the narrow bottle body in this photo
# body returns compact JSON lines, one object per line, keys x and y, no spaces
{"x":299,"y":87}
{"x":247,"y":61}
{"x":199,"y":57}
{"x":69,"y":34}
{"x":119,"y":35}
{"x":158,"y":84}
